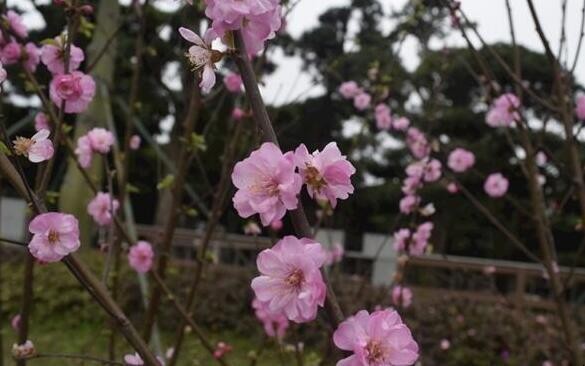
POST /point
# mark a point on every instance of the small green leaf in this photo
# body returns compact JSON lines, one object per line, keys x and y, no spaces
{"x":67,"y":128}
{"x":166,"y":182}
{"x":29,"y":87}
{"x":49,"y":42}
{"x":130,"y":188}
{"x":191,"y":212}
{"x":86,"y":27}
{"x":197,"y":142}
{"x":52,"y":197}
{"x":4,"y":149}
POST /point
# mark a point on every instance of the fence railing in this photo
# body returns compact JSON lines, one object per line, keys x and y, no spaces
{"x":241,"y":250}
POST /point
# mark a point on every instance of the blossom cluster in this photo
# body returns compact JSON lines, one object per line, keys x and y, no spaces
{"x":13,"y":50}
{"x":257,"y":20}
{"x":379,"y":338}
{"x":69,"y":88}
{"x":290,"y":280}
{"x":269,"y":181}
{"x":102,"y":208}
{"x":97,"y":141}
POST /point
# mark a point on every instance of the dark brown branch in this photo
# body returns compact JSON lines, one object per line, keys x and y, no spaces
{"x":298,"y":217}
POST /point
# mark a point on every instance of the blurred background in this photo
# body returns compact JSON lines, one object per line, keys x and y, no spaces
{"x":478,"y":299}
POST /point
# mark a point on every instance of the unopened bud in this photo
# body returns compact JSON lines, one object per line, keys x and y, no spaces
{"x":23,"y":351}
{"x":86,"y":9}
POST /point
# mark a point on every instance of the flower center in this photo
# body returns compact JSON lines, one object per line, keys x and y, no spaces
{"x":69,"y":87}
{"x":295,"y":279}
{"x":314,"y":178}
{"x":53,"y":236}
{"x":198,"y":57}
{"x":375,"y":353}
{"x":272,"y":189}
{"x":22,"y":145}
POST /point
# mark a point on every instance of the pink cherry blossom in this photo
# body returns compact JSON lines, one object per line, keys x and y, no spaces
{"x":504,"y":111}
{"x":349,"y":89}
{"x":42,"y":122}
{"x":414,"y":243}
{"x":401,"y":296}
{"x":432,"y":170}
{"x":141,"y":257}
{"x":202,"y":57}
{"x":233,"y":82}
{"x":238,"y":113}
{"x":445,"y":344}
{"x":136,"y":360}
{"x":15,"y":322}
{"x":420,"y":238}
{"x":37,"y":149}
{"x":221,"y":349}
{"x":496,"y":185}
{"x":84,"y":151}
{"x":362,"y":101}
{"x":383,"y":117}
{"x":417,"y":143}
{"x":31,"y":57}
{"x":377,"y":339}
{"x":429,"y":170}
{"x":452,"y":188}
{"x":11,"y":53}
{"x":102,"y":208}
{"x":409,"y":203}
{"x":54,"y":236}
{"x":16,"y":24}
{"x":275,"y":323}
{"x":335,"y":254}
{"x":252,"y":228}
{"x":541,"y":158}
{"x":53,"y":54}
{"x":460,"y":160}
{"x":267,"y":184}
{"x":290,"y":278}
{"x":411,"y":184}
{"x":400,"y":123}
{"x":580,"y":107}
{"x":3,"y":73}
{"x":276,"y":225}
{"x":401,"y":239}
{"x":135,"y":141}
{"x":327,"y":174}
{"x":428,"y":210}
{"x":76,"y":89}
{"x":101,"y":140}
{"x":489,"y":270}
{"x":23,"y":351}
{"x":257,"y":20}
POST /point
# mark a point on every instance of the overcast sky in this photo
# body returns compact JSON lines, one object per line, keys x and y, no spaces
{"x":289,"y":83}
{"x":491,"y":16}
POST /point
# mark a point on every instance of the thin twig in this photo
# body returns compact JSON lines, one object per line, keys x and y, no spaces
{"x":580,"y":42}
{"x":494,"y":221}
{"x":178,"y":190}
{"x":219,"y":203}
{"x":185,"y":315}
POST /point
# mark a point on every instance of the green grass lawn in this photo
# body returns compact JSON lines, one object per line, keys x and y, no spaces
{"x":51,"y":337}
{"x":67,"y":321}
